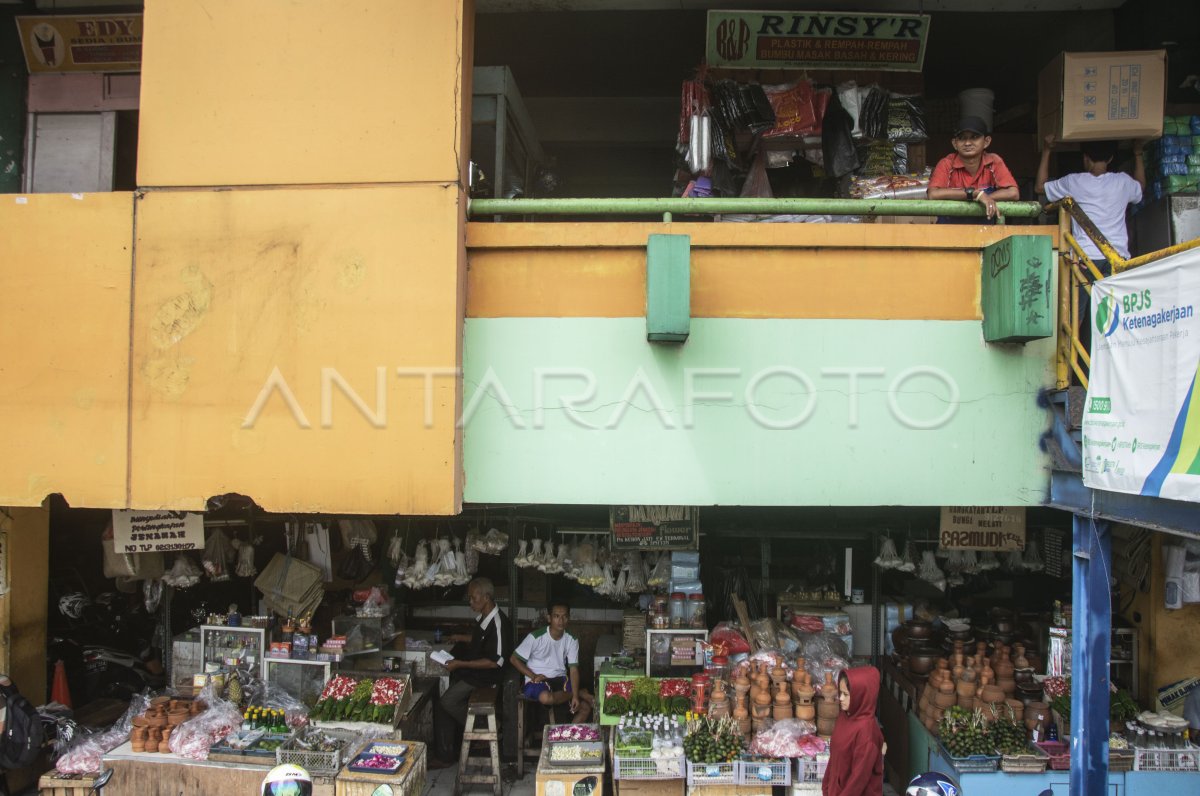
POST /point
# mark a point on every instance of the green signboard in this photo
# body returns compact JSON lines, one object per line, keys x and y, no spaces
{"x":816,"y":40}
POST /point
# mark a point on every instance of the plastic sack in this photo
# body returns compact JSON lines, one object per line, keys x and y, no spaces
{"x":757,"y":185}
{"x":888,"y":558}
{"x":660,"y":574}
{"x":930,"y":572}
{"x":727,"y":639}
{"x":823,"y":653}
{"x":906,"y":119}
{"x":357,"y":529}
{"x":786,"y":739}
{"x":84,"y":755}
{"x":839,"y":155}
{"x":195,"y":737}
{"x":135,"y":566}
{"x":218,"y":553}
{"x":272,"y":697}
{"x":795,"y":113}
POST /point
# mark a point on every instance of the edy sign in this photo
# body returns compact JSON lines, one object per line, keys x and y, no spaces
{"x":83,"y":43}
{"x":1141,"y":426}
{"x":816,"y":40}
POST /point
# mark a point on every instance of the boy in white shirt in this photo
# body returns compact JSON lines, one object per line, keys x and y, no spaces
{"x":549,"y":659}
{"x":1102,"y":194}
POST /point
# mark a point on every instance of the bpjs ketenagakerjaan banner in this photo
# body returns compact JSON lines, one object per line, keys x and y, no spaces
{"x":1141,"y":424}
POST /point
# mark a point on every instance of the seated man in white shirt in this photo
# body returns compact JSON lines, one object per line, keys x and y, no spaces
{"x":549,"y":659}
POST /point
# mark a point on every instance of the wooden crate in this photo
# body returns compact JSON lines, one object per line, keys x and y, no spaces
{"x":408,"y":781}
{"x":55,"y":784}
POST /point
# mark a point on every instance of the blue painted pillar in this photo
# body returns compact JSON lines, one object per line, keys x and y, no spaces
{"x":1090,"y":654}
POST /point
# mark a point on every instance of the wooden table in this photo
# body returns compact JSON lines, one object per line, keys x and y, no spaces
{"x":408,"y":781}
{"x":142,"y":774}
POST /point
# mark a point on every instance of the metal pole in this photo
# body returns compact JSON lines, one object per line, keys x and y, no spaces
{"x":1091,"y":640}
{"x":479,"y":208}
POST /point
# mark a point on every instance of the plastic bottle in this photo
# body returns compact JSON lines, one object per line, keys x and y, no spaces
{"x":678,"y":610}
{"x":1039,"y":732}
{"x":1052,"y":730}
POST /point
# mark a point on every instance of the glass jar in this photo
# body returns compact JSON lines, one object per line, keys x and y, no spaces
{"x":679,"y":617}
{"x":696,"y":612}
{"x":719,"y":669}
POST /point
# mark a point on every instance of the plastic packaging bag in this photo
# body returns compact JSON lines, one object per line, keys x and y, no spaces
{"x":218,"y":554}
{"x":727,"y":639}
{"x":795,"y":112}
{"x":839,"y":155}
{"x":823,"y":652}
{"x":183,"y":573}
{"x":930,"y":572}
{"x":660,"y":575}
{"x":887,"y":558}
{"x":786,"y":739}
{"x":135,"y":566}
{"x":84,"y":755}
{"x":195,"y":737}
{"x":906,"y":119}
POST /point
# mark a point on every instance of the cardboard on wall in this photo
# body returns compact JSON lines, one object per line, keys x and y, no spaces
{"x":1102,"y":96}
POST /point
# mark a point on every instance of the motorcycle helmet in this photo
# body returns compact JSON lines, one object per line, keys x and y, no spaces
{"x":933,"y":783}
{"x":287,"y":780}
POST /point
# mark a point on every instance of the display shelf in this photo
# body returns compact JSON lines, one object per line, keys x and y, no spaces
{"x":230,"y":646}
{"x":665,"y":657}
{"x":303,"y":679}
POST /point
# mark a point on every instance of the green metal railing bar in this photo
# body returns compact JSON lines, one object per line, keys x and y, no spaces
{"x":479,"y":208}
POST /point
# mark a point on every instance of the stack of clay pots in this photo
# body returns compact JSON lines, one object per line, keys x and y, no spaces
{"x":803,"y":694}
{"x":741,"y":706}
{"x":718,"y":704}
{"x":1004,"y":670}
{"x":152,"y":730}
{"x":760,"y":697}
{"x":827,"y":706}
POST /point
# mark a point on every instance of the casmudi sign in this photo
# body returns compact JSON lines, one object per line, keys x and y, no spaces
{"x":1141,"y":423}
{"x":816,"y":40}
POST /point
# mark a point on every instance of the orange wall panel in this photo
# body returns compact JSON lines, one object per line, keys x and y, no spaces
{"x":65,"y":263}
{"x":284,"y":292}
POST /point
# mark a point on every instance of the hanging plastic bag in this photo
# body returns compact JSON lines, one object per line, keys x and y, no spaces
{"x":1033,"y":559}
{"x":887,"y":558}
{"x":354,"y":566}
{"x":988,"y":561}
{"x":183,"y":573}
{"x":395,"y":549}
{"x":245,"y":567}
{"x":218,"y":554}
{"x":839,"y":155}
{"x":134,"y":566}
{"x":906,"y":562}
{"x":930,"y":572}
{"x":494,"y":542}
{"x":795,"y":113}
{"x":152,"y":591}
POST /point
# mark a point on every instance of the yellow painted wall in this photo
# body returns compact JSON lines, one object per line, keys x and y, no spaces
{"x":278,"y":92}
{"x":64,"y":347}
{"x":1174,"y":636}
{"x":863,"y":271}
{"x":26,"y":533}
{"x":232,"y":285}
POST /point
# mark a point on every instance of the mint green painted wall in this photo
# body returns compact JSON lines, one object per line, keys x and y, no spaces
{"x":523,"y":445}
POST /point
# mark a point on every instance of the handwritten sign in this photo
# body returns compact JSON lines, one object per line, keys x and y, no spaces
{"x":157,"y":531}
{"x":997,"y":528}
{"x":654,"y":527}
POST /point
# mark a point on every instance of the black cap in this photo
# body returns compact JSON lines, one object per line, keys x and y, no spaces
{"x":973,"y":124}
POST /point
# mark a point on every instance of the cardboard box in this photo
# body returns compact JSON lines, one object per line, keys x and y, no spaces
{"x":1102,"y":96}
{"x":649,"y":787}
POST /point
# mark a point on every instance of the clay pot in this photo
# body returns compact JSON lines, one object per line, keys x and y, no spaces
{"x":946,"y":686}
{"x":992,"y":694}
{"x":138,"y":747}
{"x":922,"y":660}
{"x":967,"y":702}
{"x":782,"y":711}
{"x":778,"y":675}
{"x":740,"y":712}
{"x":965,"y":689}
{"x":806,"y":712}
{"x":762,"y":698}
{"x":1007,"y":685}
{"x":140,"y":721}
{"x":919,"y":629}
{"x":825,"y":726}
{"x":1020,"y":662}
{"x":160,"y":700}
{"x":157,"y":721}
{"x":829,"y":688}
{"x":782,"y":697}
{"x":945,"y":699}
{"x":828,"y":709}
{"x":936,"y":715}
{"x":1018,"y":709}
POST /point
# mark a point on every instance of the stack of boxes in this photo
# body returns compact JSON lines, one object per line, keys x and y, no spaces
{"x":1173,"y":161}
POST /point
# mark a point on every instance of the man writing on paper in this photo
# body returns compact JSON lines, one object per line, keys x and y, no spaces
{"x":477,"y":662}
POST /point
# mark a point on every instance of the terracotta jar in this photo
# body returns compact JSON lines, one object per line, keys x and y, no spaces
{"x":1017,"y":708}
{"x":782,"y":711}
{"x":969,"y":673}
{"x":946,"y":686}
{"x":1020,"y":662}
{"x":1003,"y":666}
{"x":945,"y":699}
{"x":825,"y":726}
{"x":967,"y":702}
{"x":782,"y":697}
{"x":802,"y":692}
{"x":828,"y":708}
{"x":778,"y":675}
{"x":806,"y":712}
{"x":1008,"y":686}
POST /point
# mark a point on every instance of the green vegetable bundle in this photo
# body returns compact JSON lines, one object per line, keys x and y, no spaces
{"x":616,"y":705}
{"x":965,"y":734}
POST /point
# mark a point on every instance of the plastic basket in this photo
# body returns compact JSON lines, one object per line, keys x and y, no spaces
{"x":1120,"y":760}
{"x":648,"y":767}
{"x":1058,"y":754}
{"x":1030,"y":763}
{"x":313,"y":761}
{"x":765,"y":771}
{"x":1187,"y":759}
{"x":811,"y":769}
{"x":700,"y":774}
{"x":975,"y":764}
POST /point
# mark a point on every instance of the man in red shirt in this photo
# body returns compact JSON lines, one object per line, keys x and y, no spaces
{"x":972,"y":173}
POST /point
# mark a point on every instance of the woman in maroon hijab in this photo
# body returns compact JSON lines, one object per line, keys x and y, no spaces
{"x":856,"y":749}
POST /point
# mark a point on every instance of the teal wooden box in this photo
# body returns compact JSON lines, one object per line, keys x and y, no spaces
{"x":1018,"y":289}
{"x":668,"y":288}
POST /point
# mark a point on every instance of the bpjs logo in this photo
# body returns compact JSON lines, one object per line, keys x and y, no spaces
{"x":1108,"y":315}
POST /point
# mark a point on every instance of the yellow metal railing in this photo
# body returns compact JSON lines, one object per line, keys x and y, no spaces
{"x":1076,"y":275}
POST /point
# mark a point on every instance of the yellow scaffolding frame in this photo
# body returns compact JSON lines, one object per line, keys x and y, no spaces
{"x":1076,"y":270}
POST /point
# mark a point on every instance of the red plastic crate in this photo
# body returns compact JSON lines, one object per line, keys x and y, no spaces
{"x":1058,"y":753}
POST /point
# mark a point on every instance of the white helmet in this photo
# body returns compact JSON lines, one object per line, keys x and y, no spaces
{"x":287,"y":780}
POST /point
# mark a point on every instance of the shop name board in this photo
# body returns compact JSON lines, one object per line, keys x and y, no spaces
{"x":654,"y":527}
{"x":157,"y":531}
{"x":82,"y":43}
{"x":996,"y":528}
{"x":816,"y":40}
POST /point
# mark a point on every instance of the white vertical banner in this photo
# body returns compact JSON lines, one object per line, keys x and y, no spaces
{"x":1141,"y":423}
